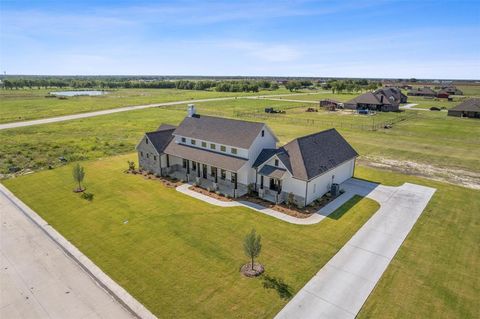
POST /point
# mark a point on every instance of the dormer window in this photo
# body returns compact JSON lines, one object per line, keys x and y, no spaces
{"x":212,"y":146}
{"x":223,"y":148}
{"x":184,"y":140}
{"x":234,"y":150}
{"x":193,"y":142}
{"x":276,"y":162}
{"x":204,"y":144}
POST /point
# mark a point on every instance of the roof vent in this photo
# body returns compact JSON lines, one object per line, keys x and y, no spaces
{"x":191,"y":111}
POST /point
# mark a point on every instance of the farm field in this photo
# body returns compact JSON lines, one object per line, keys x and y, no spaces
{"x":28,"y":104}
{"x":201,"y":245}
{"x":425,"y":143}
{"x":182,"y":249}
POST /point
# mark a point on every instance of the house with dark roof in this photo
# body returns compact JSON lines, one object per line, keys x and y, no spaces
{"x":232,"y":156}
{"x":393,"y":94}
{"x":374,"y":101}
{"x":446,"y":91}
{"x":423,"y":91}
{"x":468,"y":108}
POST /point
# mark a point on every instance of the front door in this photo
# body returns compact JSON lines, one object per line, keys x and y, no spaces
{"x":204,"y":171}
{"x":275,"y":185}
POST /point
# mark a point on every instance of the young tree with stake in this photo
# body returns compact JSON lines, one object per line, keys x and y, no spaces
{"x":252,"y":245}
{"x":78,"y":176}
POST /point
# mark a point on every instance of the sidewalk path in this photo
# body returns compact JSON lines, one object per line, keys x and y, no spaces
{"x":342,"y":286}
{"x":39,"y":280}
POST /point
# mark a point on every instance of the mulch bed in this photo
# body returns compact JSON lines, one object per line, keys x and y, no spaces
{"x":293,"y":210}
{"x":247,"y":270}
{"x":211,"y":194}
{"x":167,"y":181}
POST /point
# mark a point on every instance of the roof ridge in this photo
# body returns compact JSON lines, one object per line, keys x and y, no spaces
{"x":228,"y":118}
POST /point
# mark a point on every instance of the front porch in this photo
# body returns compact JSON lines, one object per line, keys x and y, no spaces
{"x":208,"y":177}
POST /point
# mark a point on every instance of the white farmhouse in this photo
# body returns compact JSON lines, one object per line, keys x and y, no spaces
{"x":233,"y":155}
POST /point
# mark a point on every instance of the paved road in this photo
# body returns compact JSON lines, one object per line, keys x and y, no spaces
{"x":342,"y":286}
{"x":37,"y":280}
{"x":103,"y":112}
{"x":284,"y":100}
{"x":126,"y":109}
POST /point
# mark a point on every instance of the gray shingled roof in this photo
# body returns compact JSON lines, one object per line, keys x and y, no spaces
{"x":315,"y":154}
{"x":227,"y":162}
{"x":162,"y":137}
{"x":272,"y":171}
{"x":391,"y":92}
{"x":309,"y":156}
{"x":470,"y":105}
{"x":264,"y":156}
{"x":220,"y":130}
{"x":370,"y":98}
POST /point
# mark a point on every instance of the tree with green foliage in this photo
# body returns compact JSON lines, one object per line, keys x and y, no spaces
{"x":293,"y":85}
{"x":252,"y":245}
{"x":78,"y":176}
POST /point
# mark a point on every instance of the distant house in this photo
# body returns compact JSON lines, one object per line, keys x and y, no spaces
{"x":372,"y":101}
{"x":469,"y":108}
{"x":393,"y":94}
{"x":331,"y":104}
{"x":446,"y":91}
{"x":233,"y":156}
{"x":423,"y":91}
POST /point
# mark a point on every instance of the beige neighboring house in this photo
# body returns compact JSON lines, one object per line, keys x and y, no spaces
{"x":232,"y":156}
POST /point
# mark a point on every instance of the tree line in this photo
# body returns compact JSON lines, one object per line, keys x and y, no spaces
{"x":221,"y":86}
{"x":350,"y":86}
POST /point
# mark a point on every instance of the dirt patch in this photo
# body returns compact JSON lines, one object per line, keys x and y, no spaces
{"x":450,"y":175}
{"x":290,"y":210}
{"x":247,"y":270}
{"x":203,"y":191}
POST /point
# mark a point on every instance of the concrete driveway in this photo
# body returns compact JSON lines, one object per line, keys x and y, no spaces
{"x":37,"y":279}
{"x":342,"y":286}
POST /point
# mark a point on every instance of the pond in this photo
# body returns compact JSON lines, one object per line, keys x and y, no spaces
{"x":78,"y":93}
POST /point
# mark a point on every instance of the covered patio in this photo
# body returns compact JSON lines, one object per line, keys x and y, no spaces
{"x":206,"y":168}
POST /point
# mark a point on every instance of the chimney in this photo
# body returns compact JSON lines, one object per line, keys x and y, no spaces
{"x":191,"y":110}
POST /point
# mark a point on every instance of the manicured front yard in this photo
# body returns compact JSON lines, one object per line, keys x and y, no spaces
{"x":180,"y":256}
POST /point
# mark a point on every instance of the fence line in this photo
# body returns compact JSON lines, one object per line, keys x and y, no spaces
{"x":260,"y":116}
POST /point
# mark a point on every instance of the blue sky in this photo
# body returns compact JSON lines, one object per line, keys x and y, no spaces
{"x":392,"y":39}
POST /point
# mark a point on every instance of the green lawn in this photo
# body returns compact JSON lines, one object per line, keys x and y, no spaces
{"x":436,"y":272}
{"x":429,"y":137}
{"x":177,"y":255}
{"x":27,"y":104}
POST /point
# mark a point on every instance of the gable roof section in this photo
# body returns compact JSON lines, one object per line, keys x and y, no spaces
{"x":317,"y":153}
{"x":272,"y":171}
{"x":470,"y":105}
{"x":391,"y":92}
{"x":161,"y":137}
{"x":220,"y":130}
{"x":369,"y":98}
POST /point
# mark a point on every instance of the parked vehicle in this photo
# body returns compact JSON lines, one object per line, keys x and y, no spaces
{"x":272,"y":110}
